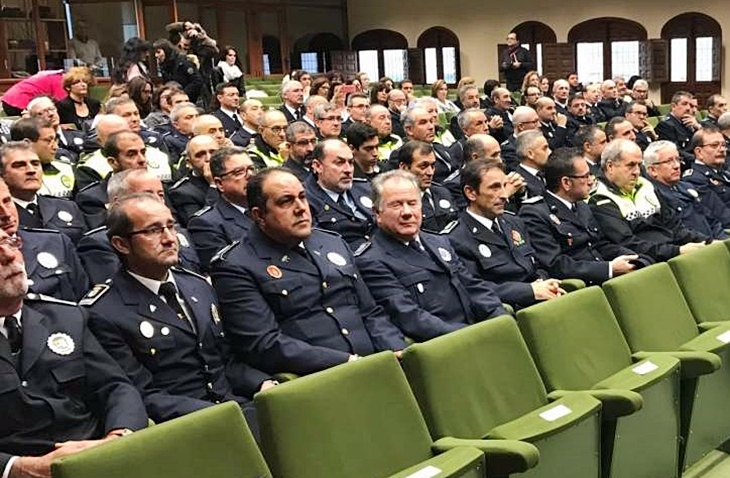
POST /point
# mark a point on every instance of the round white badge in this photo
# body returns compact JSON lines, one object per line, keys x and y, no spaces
{"x":146,"y":329}
{"x":47,"y":260}
{"x":152,"y":139}
{"x":444,"y":204}
{"x":61,"y":344}
{"x":65,"y":216}
{"x":366,"y":202}
{"x":445,"y":254}
{"x":78,"y":141}
{"x":484,"y":250}
{"x":693,"y":193}
{"x":165,"y":330}
{"x":419,"y":286}
{"x":336,"y":259}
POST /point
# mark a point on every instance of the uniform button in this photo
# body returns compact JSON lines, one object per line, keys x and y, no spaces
{"x":354,"y":275}
{"x":325,"y":285}
{"x":24,"y":384}
{"x":153,"y":351}
{"x":200,"y":345}
{"x":210,"y":386}
{"x":590,"y":244}
{"x":345,"y":332}
{"x":207,"y":369}
{"x":330,"y":310}
{"x":284,"y":292}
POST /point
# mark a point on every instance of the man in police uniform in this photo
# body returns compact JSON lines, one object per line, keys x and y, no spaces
{"x":176,"y":135}
{"x":552,"y":123}
{"x":339,"y":203}
{"x":70,"y":142}
{"x":438,"y":206}
{"x":228,"y":97}
{"x":475,"y":147}
{"x":708,"y":175}
{"x":194,"y":191}
{"x":644,"y":132}
{"x":378,"y":117}
{"x":710,"y":217}
{"x":300,"y":141}
{"x":123,"y":150}
{"x":272,"y":136}
{"x":49,"y":357}
{"x":251,"y":111}
{"x":532,"y":151}
{"x":94,"y":166}
{"x":592,"y":141}
{"x":160,"y":322}
{"x":416,"y":276}
{"x":215,"y":227}
{"x":21,"y":168}
{"x":679,"y":126}
{"x":51,"y":262}
{"x":57,"y":173}
{"x":209,"y":124}
{"x":291,"y":297}
{"x":94,"y":249}
{"x":470,"y":121}
{"x":567,"y":238}
{"x":523,"y":119}
{"x":494,"y":244}
{"x":628,"y":210}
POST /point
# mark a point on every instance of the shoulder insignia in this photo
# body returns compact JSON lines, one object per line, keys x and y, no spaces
{"x":603,"y":201}
{"x":360,"y":180}
{"x":38,"y":229}
{"x":180,"y":182}
{"x":687,"y":173}
{"x":202,"y":211}
{"x":94,"y":294}
{"x":331,"y":233}
{"x":46,"y":298}
{"x":453,"y":175}
{"x":89,"y":186}
{"x":510,"y":212}
{"x":532,"y":200}
{"x":221,"y":255}
{"x":94,"y":231}
{"x":363,"y":247}
{"x":449,"y":227}
{"x":183,"y":270}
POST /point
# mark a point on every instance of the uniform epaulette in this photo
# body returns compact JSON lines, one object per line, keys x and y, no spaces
{"x":506,"y":141}
{"x":687,"y":173}
{"x":202,"y":211}
{"x":31,"y":296}
{"x":64,"y":160}
{"x":88,"y":186}
{"x":453,"y":175}
{"x":221,"y":255}
{"x":180,"y":182}
{"x":183,"y":270}
{"x":38,"y":229}
{"x":449,"y":227}
{"x":363,"y":247}
{"x":359,"y":180}
{"x":532,"y":200}
{"x":332,"y":233}
{"x":94,"y":231}
{"x":94,"y":294}
{"x":509,"y":212}
{"x":601,"y":202}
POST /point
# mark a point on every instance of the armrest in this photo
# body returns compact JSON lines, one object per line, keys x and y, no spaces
{"x":461,"y":461}
{"x":571,"y":285}
{"x":705,"y":326}
{"x":694,"y":363}
{"x":285,"y":377}
{"x":505,"y":457}
{"x":616,"y":403}
{"x":643,"y":375}
{"x":714,"y":340}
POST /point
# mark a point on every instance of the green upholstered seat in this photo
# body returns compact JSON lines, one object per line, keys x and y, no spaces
{"x":356,"y":420}
{"x":495,"y":392}
{"x":213,"y":442}
{"x":578,"y":346}
{"x":655,"y":317}
{"x":664,"y":109}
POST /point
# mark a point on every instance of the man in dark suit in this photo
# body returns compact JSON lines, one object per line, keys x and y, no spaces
{"x":611,"y":105}
{"x":708,"y":174}
{"x":20,"y":167}
{"x":515,"y":62}
{"x":592,"y":141}
{"x":501,"y":108}
{"x":300,"y":141}
{"x":215,"y":227}
{"x":524,"y":119}
{"x":552,"y":123}
{"x":565,"y":235}
{"x":227,"y":96}
{"x":176,"y":135}
{"x":251,"y":111}
{"x":577,"y":116}
{"x":49,"y":357}
{"x":338,"y":202}
{"x":643,"y":131}
{"x":194,"y":191}
{"x":291,"y":297}
{"x":363,"y":141}
{"x":532,"y":151}
{"x":494,"y":244}
{"x":161,"y":323}
{"x":292,"y":94}
{"x":679,"y":126}
{"x":416,"y":276}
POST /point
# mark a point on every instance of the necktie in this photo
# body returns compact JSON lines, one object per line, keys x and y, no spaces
{"x":237,"y":121}
{"x":342,"y":203}
{"x":495,"y":227}
{"x":541,"y":175}
{"x":15,"y":335}
{"x":168,"y":291}
{"x":299,"y":114}
{"x":416,"y":246}
{"x":427,"y":205}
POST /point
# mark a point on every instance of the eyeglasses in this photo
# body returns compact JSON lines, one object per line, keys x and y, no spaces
{"x":239,"y":172}
{"x":332,"y":118}
{"x":674,"y":160}
{"x":13,"y":242}
{"x":155,"y":232}
{"x":715,"y":145}
{"x":276,"y":129}
{"x":306,"y":142}
{"x":582,"y":176}
{"x":50,"y":109}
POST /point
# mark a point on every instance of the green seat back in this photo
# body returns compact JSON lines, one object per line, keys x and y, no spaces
{"x":574,"y":340}
{"x":211,"y":442}
{"x":356,"y":420}
{"x":469,"y":381}
{"x":704,"y":277}
{"x":98,"y":92}
{"x":653,"y":121}
{"x":650,"y":309}
{"x":664,"y":109}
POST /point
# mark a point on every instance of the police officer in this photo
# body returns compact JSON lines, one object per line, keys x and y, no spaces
{"x":300,"y":141}
{"x":176,"y":135}
{"x":416,"y":276}
{"x":709,"y":216}
{"x":708,"y":175}
{"x":70,"y":142}
{"x":68,"y":394}
{"x":272,"y":135}
{"x":532,"y":151}
{"x":215,"y":227}
{"x":378,"y":117}
{"x":291,"y":297}
{"x":338,"y":202}
{"x":438,"y":206}
{"x":493,"y":243}
{"x":565,"y":235}
{"x":96,"y":252}
{"x":20,"y":167}
{"x":227,"y":96}
{"x":194,"y":190}
{"x":93,"y":166}
{"x":160,"y":322}
{"x":679,"y":126}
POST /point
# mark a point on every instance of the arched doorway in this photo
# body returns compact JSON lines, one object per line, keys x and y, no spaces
{"x":312,"y":52}
{"x":533,"y":35}
{"x":441,"y":55}
{"x":382,"y":52}
{"x":272,"y":55}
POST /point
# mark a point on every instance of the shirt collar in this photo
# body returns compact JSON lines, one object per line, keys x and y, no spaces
{"x":152,"y":284}
{"x":568,"y":204}
{"x":229,"y":113}
{"x":3,"y":330}
{"x":486,"y":222}
{"x":24,"y":204}
{"x":530,"y":169}
{"x":240,"y":208}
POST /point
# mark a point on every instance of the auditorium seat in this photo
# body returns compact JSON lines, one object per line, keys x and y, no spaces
{"x":495,"y":392}
{"x":577,"y":345}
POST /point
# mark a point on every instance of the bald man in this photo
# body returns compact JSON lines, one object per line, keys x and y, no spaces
{"x":195,"y":190}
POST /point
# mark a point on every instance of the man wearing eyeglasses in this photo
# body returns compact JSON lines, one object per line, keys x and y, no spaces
{"x":215,"y":227}
{"x":357,"y":106}
{"x":160,"y":322}
{"x":42,"y":340}
{"x":328,"y":121}
{"x":707,"y":215}
{"x":523,"y":119}
{"x":300,"y":142}
{"x":708,"y":174}
{"x":636,"y":113}
{"x":196,"y":189}
{"x":265,"y":150}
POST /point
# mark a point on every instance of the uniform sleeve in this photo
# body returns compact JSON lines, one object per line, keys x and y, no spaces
{"x":208,"y":239}
{"x":98,"y":258}
{"x":485,"y":301}
{"x":79,"y":278}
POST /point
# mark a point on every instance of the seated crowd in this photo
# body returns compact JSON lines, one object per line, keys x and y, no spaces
{"x":213,"y":248}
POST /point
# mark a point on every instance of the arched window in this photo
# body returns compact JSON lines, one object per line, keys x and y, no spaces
{"x":312,"y":52}
{"x":382,"y":53}
{"x":606,"y":48}
{"x":695,"y":55}
{"x":533,"y":35}
{"x":441,"y":54}
{"x":272,"y":54}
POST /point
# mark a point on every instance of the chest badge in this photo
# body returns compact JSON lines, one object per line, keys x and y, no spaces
{"x":445,"y":254}
{"x":444,"y":204}
{"x":517,"y":238}
{"x":336,"y":259}
{"x":366,"y":202}
{"x":555,"y":219}
{"x":65,"y":216}
{"x":146,"y":329}
{"x":47,"y":260}
{"x":274,"y":272}
{"x":484,"y":250}
{"x":61,"y":344}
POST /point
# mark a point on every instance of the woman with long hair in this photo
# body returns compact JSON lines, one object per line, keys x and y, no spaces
{"x":230,"y":65}
{"x":132,"y":61}
{"x":140,"y":91}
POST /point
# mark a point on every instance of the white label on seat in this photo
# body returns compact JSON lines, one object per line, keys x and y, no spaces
{"x":644,"y":368}
{"x":724,"y":337}
{"x":555,"y":413}
{"x":428,"y":472}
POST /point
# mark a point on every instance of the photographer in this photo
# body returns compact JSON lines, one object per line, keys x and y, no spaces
{"x":191,"y":38}
{"x":174,"y":66}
